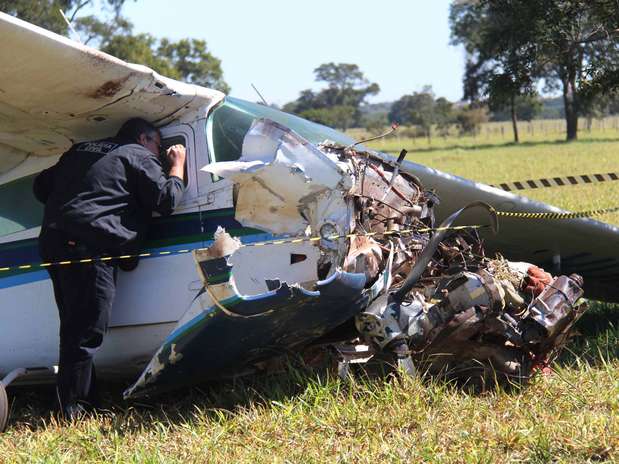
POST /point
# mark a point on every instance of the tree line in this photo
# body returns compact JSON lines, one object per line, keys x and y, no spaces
{"x":515,"y":46}
{"x":513,"y":49}
{"x":341,"y":104}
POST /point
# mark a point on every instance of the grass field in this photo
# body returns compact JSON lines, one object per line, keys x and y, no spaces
{"x":571,"y":415}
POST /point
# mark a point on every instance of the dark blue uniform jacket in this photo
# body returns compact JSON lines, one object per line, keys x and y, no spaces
{"x":104,"y":192}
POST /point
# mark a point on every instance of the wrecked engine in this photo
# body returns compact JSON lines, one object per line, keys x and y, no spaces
{"x":465,"y":316}
{"x":432,"y":297}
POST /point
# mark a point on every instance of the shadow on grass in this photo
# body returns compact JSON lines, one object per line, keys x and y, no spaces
{"x":486,"y":146}
{"x":35,"y":407}
{"x":213,"y":402}
{"x":595,"y":344}
{"x":596,"y":339}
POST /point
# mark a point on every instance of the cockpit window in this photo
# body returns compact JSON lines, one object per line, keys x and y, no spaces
{"x":167,"y":142}
{"x":230,"y":121}
{"x":19,"y":209}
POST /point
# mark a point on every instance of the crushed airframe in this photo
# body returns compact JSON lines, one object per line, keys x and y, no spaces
{"x":360,"y":244}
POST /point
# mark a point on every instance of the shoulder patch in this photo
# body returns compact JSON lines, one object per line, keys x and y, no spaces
{"x":102,"y":146}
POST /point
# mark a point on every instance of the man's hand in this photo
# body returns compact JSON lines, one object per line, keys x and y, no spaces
{"x":176,"y":158}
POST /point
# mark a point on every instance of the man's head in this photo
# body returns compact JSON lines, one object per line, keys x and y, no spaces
{"x":142,"y":132}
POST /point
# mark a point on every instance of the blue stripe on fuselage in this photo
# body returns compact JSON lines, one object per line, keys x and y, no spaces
{"x":34,"y":276}
{"x":21,"y":279}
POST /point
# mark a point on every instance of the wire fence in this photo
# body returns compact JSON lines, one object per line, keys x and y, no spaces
{"x":500,"y":131}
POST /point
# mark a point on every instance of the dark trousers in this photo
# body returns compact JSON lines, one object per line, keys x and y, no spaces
{"x":84,"y":295}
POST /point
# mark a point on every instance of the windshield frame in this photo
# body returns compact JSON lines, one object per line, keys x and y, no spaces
{"x":313,"y":132}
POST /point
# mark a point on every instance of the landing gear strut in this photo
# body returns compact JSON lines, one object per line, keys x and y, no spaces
{"x":4,"y":400}
{"x":6,"y":381}
{"x":4,"y":408}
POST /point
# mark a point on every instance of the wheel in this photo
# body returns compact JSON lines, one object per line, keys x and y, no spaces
{"x":4,"y":408}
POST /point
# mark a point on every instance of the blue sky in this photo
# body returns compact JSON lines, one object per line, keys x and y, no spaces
{"x":275,"y":44}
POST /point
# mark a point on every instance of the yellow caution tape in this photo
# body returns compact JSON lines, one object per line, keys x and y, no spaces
{"x":521,"y":215}
{"x":567,"y":215}
{"x":256,"y":244}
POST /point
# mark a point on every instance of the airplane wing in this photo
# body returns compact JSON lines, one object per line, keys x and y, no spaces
{"x":54,"y":92}
{"x":584,"y":246}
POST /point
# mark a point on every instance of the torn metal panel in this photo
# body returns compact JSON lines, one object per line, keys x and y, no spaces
{"x":285,"y":184}
{"x":225,"y":330}
{"x":214,"y":342}
{"x":223,"y":245}
{"x":253,"y":267}
{"x":249,"y":269}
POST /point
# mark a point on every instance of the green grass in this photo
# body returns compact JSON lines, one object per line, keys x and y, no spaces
{"x":307,"y":415}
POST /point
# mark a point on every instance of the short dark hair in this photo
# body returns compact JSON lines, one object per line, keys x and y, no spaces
{"x":134,"y":127}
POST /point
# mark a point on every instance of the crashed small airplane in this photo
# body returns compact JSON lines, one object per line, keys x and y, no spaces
{"x":289,"y":235}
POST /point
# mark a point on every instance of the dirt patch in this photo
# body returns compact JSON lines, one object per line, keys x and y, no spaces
{"x":109,"y":88}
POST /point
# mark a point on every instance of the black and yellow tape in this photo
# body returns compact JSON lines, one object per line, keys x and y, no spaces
{"x":293,"y":240}
{"x":566,"y":215}
{"x":255,"y":244}
{"x":557,"y":181}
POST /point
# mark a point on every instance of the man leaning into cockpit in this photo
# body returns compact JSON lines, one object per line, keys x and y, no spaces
{"x":99,"y":199}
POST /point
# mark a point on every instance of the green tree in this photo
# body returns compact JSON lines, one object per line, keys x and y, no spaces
{"x":187,"y":59}
{"x":375,"y":123}
{"x":46,"y":13}
{"x":527,"y":107}
{"x":340,"y":116}
{"x":346,"y":84}
{"x":444,"y":116}
{"x":571,"y":44}
{"x":613,"y":104}
{"x":599,"y":106}
{"x":193,"y":62}
{"x":43,"y":13}
{"x":423,"y":110}
{"x":471,"y":118}
{"x":347,"y":88}
{"x":401,"y":110}
{"x":495,"y":69}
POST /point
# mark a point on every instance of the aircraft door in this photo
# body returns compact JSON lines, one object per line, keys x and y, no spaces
{"x":214,"y":194}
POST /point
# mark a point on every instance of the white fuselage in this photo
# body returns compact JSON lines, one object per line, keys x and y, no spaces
{"x":149,"y":301}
